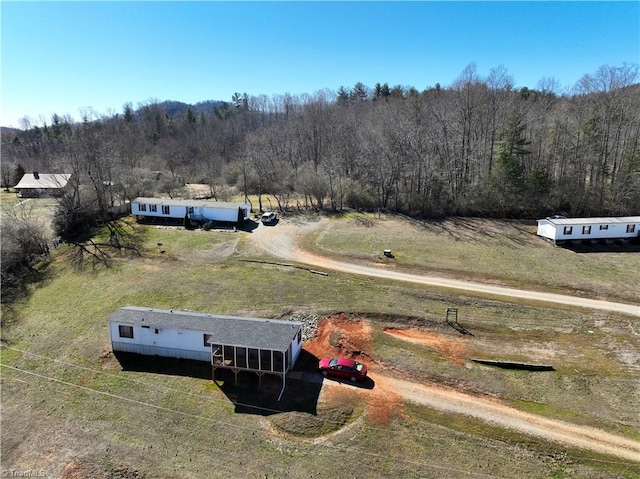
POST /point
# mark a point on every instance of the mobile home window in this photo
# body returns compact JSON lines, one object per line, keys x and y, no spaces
{"x":568,"y":230}
{"x":631,"y":228}
{"x":206,"y":338}
{"x":586,"y":230}
{"x":165,"y":209}
{"x":604,"y":227}
{"x":190,"y":210}
{"x":142,"y":207}
{"x":153,"y":208}
{"x":125,"y":331}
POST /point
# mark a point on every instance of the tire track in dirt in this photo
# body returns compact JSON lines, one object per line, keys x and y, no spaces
{"x":583,"y":437}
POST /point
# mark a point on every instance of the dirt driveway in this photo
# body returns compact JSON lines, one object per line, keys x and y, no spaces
{"x":281,"y":241}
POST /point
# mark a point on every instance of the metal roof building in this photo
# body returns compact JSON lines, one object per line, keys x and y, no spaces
{"x":38,"y":184}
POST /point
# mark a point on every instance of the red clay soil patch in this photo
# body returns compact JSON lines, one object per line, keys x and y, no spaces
{"x":454,"y":351}
{"x":341,"y":335}
{"x":383,"y":402}
{"x":350,"y":336}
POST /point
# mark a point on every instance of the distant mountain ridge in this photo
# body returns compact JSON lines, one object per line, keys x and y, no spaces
{"x":172,"y":108}
{"x":178,"y":108}
{"x":9,"y":130}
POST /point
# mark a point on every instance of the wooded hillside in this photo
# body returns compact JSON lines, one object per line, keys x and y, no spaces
{"x":478,"y":146}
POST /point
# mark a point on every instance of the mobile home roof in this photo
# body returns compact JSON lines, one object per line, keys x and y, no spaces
{"x":593,"y":221}
{"x":191,"y":203}
{"x":257,"y":333}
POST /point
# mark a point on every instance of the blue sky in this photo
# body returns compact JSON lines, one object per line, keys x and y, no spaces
{"x":62,"y":57}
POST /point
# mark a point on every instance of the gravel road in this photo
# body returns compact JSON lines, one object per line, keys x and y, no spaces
{"x":281,"y":242}
{"x":583,"y":437}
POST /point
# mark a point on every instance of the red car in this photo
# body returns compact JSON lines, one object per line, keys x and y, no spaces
{"x":343,"y":368}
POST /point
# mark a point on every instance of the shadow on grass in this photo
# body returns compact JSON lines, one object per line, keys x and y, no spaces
{"x":468,"y":229}
{"x":260,"y":397}
{"x":161,"y":365}
{"x":271,"y":223}
{"x":248,"y":226}
{"x":602,"y":246}
{"x":19,"y":288}
{"x":366,"y":383}
{"x":249,"y":393}
{"x":252,"y":395}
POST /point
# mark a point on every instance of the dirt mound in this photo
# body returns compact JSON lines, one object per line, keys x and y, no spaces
{"x":342,"y":335}
{"x":454,"y":351}
{"x":347,"y":335}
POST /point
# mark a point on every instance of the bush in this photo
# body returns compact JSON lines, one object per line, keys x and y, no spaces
{"x":24,"y":242}
{"x":359,"y":197}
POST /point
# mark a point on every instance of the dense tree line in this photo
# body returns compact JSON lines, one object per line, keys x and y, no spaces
{"x":478,"y":146}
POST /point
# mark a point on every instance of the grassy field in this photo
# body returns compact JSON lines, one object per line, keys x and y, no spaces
{"x":504,"y":252}
{"x":69,"y":407}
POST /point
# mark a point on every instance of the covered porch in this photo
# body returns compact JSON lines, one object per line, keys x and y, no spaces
{"x":260,"y":361}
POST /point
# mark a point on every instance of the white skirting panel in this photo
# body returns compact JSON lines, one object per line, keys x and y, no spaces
{"x":161,"y":351}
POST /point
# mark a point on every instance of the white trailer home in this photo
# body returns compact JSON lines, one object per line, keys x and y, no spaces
{"x":560,"y":230}
{"x":262,"y":346}
{"x":195,"y":210}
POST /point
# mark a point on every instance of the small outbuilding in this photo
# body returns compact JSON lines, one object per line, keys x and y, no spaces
{"x":34,"y":185}
{"x":560,"y":229}
{"x":262,"y":346}
{"x":198,"y":211}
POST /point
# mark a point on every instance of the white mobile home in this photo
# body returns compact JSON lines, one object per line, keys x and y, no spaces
{"x":195,"y":210}
{"x":560,"y":229}
{"x":263,"y":346}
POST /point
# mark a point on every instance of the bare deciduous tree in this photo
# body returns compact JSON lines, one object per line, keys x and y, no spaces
{"x":24,"y":241}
